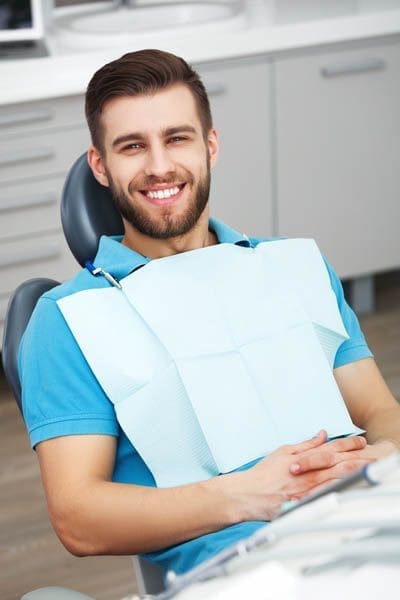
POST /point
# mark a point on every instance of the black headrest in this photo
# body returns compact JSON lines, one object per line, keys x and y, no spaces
{"x":87,"y":212}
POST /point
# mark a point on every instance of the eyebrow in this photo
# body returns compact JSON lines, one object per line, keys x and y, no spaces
{"x":138,"y":136}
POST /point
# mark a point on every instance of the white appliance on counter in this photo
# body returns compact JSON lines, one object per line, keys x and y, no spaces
{"x":21,"y":22}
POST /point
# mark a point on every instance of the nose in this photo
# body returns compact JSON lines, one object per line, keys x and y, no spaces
{"x":159,"y":162}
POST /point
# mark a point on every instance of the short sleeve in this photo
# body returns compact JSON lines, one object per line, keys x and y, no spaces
{"x":355,"y":348}
{"x":60,"y":394}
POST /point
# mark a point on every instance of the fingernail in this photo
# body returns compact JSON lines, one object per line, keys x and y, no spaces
{"x":318,"y":434}
{"x":295,"y":468}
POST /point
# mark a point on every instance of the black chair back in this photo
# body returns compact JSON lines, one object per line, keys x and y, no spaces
{"x":20,"y":307}
{"x":87,"y":212}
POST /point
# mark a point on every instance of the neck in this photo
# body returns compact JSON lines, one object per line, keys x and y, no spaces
{"x":198,"y":237}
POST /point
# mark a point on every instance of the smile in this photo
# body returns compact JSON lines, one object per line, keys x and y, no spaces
{"x":164,"y":196}
{"x":166,"y":193}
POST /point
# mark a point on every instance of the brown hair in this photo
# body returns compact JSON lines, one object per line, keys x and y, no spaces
{"x":140,"y":73}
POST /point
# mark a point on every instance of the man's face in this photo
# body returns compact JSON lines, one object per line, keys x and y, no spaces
{"x":157,"y":162}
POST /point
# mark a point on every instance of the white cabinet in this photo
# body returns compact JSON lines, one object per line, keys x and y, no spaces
{"x":338,"y":153}
{"x":239,"y":94}
{"x":38,"y":143}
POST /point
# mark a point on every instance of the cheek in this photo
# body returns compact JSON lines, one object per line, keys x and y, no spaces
{"x":193,"y":165}
{"x":124,"y":167}
{"x":124,"y":178}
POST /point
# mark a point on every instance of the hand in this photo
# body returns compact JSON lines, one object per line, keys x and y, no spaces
{"x":339,"y":459}
{"x":260,"y":491}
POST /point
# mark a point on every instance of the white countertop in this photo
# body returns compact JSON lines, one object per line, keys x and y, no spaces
{"x":64,"y":73}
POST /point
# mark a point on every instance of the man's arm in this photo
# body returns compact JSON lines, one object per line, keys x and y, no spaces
{"x":93,"y":515}
{"x":372,"y":407}
{"x":371,"y":404}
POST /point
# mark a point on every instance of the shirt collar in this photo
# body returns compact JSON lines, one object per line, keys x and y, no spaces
{"x":227,"y":235}
{"x":119,"y":260}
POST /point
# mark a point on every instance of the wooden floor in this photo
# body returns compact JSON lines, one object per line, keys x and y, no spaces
{"x":30,"y":554}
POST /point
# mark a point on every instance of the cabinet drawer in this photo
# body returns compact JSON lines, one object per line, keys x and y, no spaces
{"x":18,"y":119}
{"x":35,"y":156}
{"x":41,"y":256}
{"x":28,"y":208}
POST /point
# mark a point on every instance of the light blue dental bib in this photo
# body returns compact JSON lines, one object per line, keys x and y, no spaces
{"x":216,"y":356}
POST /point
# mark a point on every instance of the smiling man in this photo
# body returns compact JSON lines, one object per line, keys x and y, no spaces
{"x":182,"y":424}
{"x":159,"y":174}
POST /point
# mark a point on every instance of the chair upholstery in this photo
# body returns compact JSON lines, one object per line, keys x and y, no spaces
{"x":20,"y":307}
{"x":87,"y":212}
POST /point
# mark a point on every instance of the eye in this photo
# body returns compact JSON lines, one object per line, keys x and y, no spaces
{"x":176,"y":139}
{"x":132,"y":147}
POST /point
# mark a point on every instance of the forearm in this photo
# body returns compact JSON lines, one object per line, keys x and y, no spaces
{"x":369,"y":400}
{"x":384,"y":426}
{"x":93,"y":515}
{"x":115,"y":518}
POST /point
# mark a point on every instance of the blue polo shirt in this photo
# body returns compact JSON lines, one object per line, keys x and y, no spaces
{"x":61,"y":396}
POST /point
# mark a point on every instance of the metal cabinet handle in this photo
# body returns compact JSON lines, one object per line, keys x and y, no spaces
{"x":363,"y":66}
{"x":28,"y":116}
{"x":26,"y":156}
{"x":9,"y":204}
{"x":9,"y":259}
{"x":216,"y":89}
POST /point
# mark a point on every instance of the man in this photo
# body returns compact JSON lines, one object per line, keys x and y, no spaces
{"x":103,"y":431}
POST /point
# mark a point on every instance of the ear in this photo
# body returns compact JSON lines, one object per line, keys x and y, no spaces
{"x":95,"y":162}
{"x":213,"y":146}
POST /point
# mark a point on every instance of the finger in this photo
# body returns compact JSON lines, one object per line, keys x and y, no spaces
{"x":314,"y":442}
{"x":347,"y":444}
{"x":325,"y":457}
{"x":314,"y":479}
{"x":355,"y":442}
{"x":310,"y":482}
{"x":345,"y":467}
{"x":320,"y":459}
{"x":318,"y":488}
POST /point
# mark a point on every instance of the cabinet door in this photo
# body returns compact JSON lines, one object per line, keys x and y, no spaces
{"x":41,"y":115}
{"x":38,"y":143}
{"x":51,"y":152}
{"x":338,"y":154}
{"x":240,"y":189}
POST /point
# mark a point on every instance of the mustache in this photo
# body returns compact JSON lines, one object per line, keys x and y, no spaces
{"x":173,"y":179}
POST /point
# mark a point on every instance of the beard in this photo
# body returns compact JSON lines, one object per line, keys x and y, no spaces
{"x":165,"y":225}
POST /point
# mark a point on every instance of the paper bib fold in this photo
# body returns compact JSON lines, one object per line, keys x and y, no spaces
{"x":217,"y":356}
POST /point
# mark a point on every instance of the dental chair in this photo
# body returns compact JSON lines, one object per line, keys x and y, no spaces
{"x":87,"y":213}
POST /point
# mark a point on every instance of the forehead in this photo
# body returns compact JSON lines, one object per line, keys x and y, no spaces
{"x":149,"y":114}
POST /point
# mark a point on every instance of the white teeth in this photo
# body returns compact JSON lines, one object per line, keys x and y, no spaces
{"x":160,"y":194}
